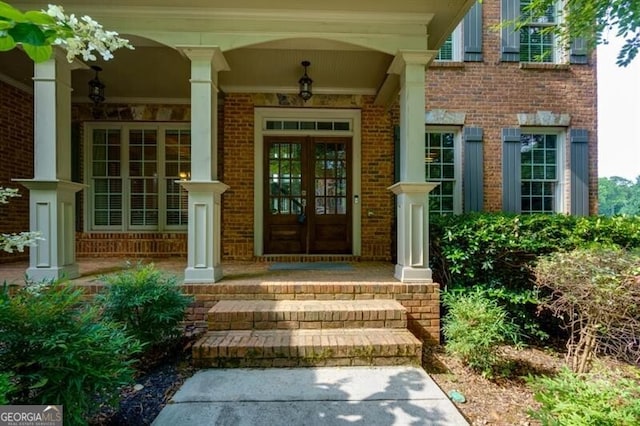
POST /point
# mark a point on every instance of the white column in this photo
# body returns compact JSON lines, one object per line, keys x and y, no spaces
{"x":412,"y":190}
{"x":204,"y":236}
{"x":51,"y":193}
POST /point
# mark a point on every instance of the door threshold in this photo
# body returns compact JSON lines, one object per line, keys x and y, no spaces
{"x":307,"y":258}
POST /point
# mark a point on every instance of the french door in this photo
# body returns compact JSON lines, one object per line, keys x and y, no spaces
{"x":307,"y":195}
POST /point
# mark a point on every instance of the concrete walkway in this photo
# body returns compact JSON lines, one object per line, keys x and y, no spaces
{"x":310,"y":396}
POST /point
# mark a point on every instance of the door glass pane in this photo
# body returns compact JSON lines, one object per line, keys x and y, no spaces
{"x":330,"y":178}
{"x":285,"y":178}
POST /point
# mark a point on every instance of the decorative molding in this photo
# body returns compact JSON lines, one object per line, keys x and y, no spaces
{"x":135,"y":100}
{"x":544,"y":118}
{"x":442,"y":116}
{"x":17,"y":84}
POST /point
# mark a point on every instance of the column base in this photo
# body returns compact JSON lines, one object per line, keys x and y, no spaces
{"x":407,"y":274}
{"x":66,"y":272}
{"x":202,"y":275}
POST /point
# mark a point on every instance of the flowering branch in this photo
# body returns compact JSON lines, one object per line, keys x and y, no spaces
{"x":10,"y":242}
{"x":38,"y":31}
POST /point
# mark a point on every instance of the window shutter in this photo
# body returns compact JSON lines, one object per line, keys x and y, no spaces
{"x":579,"y":172}
{"x":511,"y":170}
{"x":473,"y":179}
{"x":472,"y":33}
{"x":579,"y":51}
{"x":510,"y":36}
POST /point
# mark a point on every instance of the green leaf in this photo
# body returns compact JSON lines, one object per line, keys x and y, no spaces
{"x":40,"y":383}
{"x":39,"y":18}
{"x":7,"y":43}
{"x":10,"y":12}
{"x":6,"y":24}
{"x":38,"y":53}
{"x":28,"y":34}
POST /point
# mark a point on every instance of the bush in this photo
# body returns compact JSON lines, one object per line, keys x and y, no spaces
{"x":596,"y":293}
{"x":495,"y":251}
{"x":571,"y":399}
{"x":6,"y":387}
{"x":474,"y":328}
{"x":60,"y":352}
{"x":149,"y":304}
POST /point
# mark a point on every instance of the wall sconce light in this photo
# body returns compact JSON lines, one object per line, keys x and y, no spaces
{"x":96,"y":87}
{"x":305,"y":83}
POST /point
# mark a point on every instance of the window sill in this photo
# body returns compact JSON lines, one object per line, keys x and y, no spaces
{"x":544,"y":66}
{"x":446,"y":64}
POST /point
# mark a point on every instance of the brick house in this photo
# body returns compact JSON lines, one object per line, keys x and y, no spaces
{"x":204,"y":147}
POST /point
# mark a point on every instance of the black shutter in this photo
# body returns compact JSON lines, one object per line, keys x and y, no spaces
{"x":511,"y":179}
{"x":472,"y":33}
{"x":579,"y":172}
{"x":510,"y":36}
{"x":473,"y":176}
{"x":579,"y":51}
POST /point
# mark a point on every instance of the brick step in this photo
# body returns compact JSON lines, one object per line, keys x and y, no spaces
{"x":291,"y":348}
{"x":306,"y":314}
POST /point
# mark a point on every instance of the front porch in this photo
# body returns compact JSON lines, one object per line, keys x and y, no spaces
{"x":347,"y":305}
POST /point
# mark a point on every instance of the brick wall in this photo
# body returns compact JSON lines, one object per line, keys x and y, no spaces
{"x":493,"y":92}
{"x":16,"y":160}
{"x":377,"y":175}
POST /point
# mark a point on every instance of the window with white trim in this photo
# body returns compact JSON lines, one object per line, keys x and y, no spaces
{"x":540,"y":167}
{"x":451,"y":50}
{"x":132,"y":171}
{"x":442,"y":164}
{"x":537,"y":41}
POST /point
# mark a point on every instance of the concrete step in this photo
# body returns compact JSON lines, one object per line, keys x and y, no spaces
{"x":300,"y":347}
{"x":306,"y":314}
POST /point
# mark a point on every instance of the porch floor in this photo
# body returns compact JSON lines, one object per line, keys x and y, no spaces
{"x":234,"y":272}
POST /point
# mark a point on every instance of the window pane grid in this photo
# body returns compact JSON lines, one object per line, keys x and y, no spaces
{"x":330,"y":179}
{"x":538,"y":170}
{"x":177,"y":167}
{"x":107,"y":196}
{"x":536,"y":43}
{"x":143,"y":173}
{"x":440,"y":167}
{"x":285,"y":182}
{"x":446,"y":51}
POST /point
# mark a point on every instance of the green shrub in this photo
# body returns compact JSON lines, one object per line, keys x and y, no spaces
{"x":572,"y":399}
{"x":495,"y":252}
{"x":60,"y":352}
{"x":474,"y":328}
{"x":147,"y":302}
{"x":6,"y":387}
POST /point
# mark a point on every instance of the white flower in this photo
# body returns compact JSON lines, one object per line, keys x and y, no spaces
{"x":56,"y":12}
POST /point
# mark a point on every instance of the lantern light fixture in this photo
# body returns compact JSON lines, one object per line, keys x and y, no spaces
{"x":305,"y":83}
{"x":96,"y":87}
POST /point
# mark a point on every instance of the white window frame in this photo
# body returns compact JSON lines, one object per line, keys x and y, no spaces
{"x":559,"y":55}
{"x":457,"y":155}
{"x":125,"y":128}
{"x":561,"y":166}
{"x":456,"y":46}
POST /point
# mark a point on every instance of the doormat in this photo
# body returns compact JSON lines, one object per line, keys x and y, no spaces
{"x":310,"y":266}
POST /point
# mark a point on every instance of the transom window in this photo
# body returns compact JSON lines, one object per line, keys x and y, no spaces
{"x":537,"y":43}
{"x":132,"y":171}
{"x":441,"y":165}
{"x":539,"y":164}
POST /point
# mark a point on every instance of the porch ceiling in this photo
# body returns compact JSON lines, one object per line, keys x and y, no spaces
{"x":350,"y":44}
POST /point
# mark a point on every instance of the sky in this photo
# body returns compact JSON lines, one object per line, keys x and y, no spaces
{"x":618,"y":114}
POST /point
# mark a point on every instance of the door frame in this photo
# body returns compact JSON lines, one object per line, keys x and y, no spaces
{"x":261,"y":116}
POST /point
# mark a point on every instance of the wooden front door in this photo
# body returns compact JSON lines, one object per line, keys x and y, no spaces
{"x":307,"y":207}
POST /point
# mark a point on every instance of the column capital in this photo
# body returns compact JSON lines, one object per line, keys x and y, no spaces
{"x":413,"y":187}
{"x":206,"y":53}
{"x":214,"y":186}
{"x":410,"y":57}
